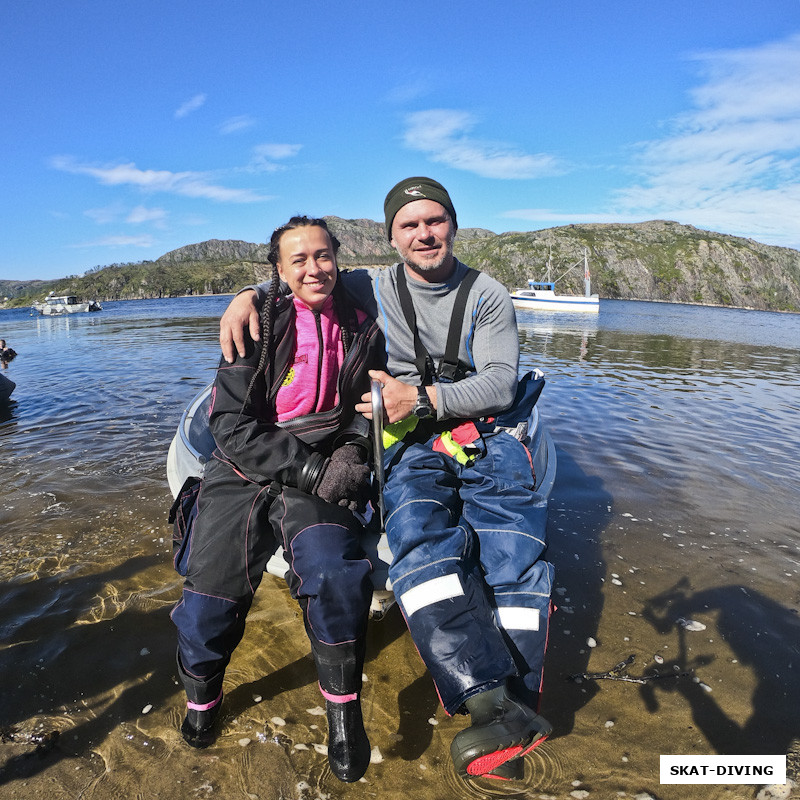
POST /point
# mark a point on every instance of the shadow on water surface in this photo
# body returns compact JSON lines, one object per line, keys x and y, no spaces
{"x":763,"y":635}
{"x":7,"y":412}
{"x":580,"y":507}
{"x":84,"y":659}
{"x":417,"y":701}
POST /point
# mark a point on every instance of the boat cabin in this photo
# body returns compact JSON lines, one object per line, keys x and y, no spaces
{"x":542,"y":286}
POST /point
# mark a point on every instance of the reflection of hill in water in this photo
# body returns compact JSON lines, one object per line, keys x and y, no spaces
{"x":545,"y":341}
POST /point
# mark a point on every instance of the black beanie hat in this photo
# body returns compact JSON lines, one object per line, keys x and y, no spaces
{"x":411,"y":189}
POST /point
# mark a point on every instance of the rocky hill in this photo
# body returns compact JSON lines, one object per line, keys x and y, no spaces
{"x":230,"y":250}
{"x":656,"y":260}
{"x":14,"y":288}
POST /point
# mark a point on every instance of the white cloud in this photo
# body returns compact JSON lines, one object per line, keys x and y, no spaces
{"x":277,"y":151}
{"x":186,"y":184}
{"x":192,"y":104}
{"x":265,"y":156}
{"x":546,"y":216}
{"x":142,"y":214}
{"x":408,"y":92}
{"x":751,"y":83}
{"x":732,"y":161}
{"x":106,"y":215}
{"x":135,"y":216}
{"x":119,"y":241}
{"x":237,"y":124}
{"x":443,"y":134}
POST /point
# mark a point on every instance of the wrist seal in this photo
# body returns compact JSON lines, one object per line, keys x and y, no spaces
{"x":311,"y":473}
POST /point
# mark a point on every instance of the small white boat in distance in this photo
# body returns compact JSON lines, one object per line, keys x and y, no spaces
{"x":541,"y":295}
{"x":64,"y":304}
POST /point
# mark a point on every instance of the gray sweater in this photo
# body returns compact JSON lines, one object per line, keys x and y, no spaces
{"x":489,"y":341}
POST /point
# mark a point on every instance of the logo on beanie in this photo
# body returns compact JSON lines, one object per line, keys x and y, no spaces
{"x":414,"y":191}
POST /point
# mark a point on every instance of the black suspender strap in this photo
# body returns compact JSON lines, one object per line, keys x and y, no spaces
{"x":448,"y":366}
{"x":423,"y":361}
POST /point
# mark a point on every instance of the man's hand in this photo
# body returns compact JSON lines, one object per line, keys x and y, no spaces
{"x":240,"y":314}
{"x":399,"y":398}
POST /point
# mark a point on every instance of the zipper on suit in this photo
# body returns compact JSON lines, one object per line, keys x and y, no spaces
{"x":320,"y":352}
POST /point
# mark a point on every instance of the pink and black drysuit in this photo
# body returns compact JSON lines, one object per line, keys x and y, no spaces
{"x":256,"y":496}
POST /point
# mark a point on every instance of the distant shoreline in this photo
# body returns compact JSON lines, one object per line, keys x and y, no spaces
{"x":4,"y":307}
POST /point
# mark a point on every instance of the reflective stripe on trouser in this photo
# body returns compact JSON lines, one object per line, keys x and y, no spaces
{"x":466,"y":544}
{"x":231,"y":542}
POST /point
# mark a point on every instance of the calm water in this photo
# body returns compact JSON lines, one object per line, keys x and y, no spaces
{"x":678,"y":435}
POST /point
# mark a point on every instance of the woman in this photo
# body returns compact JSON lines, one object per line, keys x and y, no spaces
{"x":290,"y":469}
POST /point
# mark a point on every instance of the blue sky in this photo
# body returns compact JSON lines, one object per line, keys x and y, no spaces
{"x":130,"y":129}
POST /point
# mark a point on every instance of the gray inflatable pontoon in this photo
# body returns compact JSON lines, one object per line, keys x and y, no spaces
{"x":193,"y":444}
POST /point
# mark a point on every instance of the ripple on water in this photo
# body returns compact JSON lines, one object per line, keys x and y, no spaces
{"x":685,"y":420}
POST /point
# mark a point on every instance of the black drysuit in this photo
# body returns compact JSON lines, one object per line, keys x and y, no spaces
{"x":252,"y":500}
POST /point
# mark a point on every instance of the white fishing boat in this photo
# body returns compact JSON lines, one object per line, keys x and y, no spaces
{"x":193,"y":444}
{"x":541,"y":295}
{"x":53,"y":305}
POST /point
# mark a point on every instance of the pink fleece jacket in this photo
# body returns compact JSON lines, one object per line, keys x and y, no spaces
{"x":311,"y":384}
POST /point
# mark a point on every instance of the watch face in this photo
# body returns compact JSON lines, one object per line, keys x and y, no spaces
{"x":423,"y":408}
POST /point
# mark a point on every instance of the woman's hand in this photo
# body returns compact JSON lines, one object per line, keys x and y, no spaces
{"x":346,"y":479}
{"x":239,"y":315}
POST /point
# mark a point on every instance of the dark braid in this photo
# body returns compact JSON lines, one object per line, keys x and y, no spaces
{"x":266,"y":316}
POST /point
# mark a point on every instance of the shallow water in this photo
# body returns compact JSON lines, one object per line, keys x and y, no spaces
{"x":678,"y":438}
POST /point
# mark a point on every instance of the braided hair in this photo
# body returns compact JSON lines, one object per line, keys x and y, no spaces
{"x":343,"y":307}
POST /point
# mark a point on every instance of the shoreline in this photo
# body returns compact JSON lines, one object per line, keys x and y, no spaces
{"x":6,"y":307}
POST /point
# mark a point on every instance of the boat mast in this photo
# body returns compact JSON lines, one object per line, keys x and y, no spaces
{"x":587,"y":278}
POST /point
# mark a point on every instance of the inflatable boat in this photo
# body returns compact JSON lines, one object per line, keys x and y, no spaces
{"x":7,"y":386}
{"x":193,"y":445}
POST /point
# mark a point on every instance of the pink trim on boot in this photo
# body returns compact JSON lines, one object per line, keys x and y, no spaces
{"x":203,"y":706}
{"x":338,"y":698}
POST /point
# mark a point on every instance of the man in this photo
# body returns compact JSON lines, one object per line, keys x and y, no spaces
{"x":464,"y":524}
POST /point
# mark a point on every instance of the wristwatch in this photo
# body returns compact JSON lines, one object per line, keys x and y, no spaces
{"x":423,"y":407}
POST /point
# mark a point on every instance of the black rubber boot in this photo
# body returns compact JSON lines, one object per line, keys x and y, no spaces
{"x":502,"y":729}
{"x":511,"y":770}
{"x":198,"y":726}
{"x":348,"y":746}
{"x":518,"y":689}
{"x":339,"y":668}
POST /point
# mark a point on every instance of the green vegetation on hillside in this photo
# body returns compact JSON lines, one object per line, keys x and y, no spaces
{"x":657,"y":260}
{"x":146,"y":280}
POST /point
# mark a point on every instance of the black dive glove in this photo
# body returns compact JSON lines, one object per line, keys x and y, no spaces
{"x":345,"y":481}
